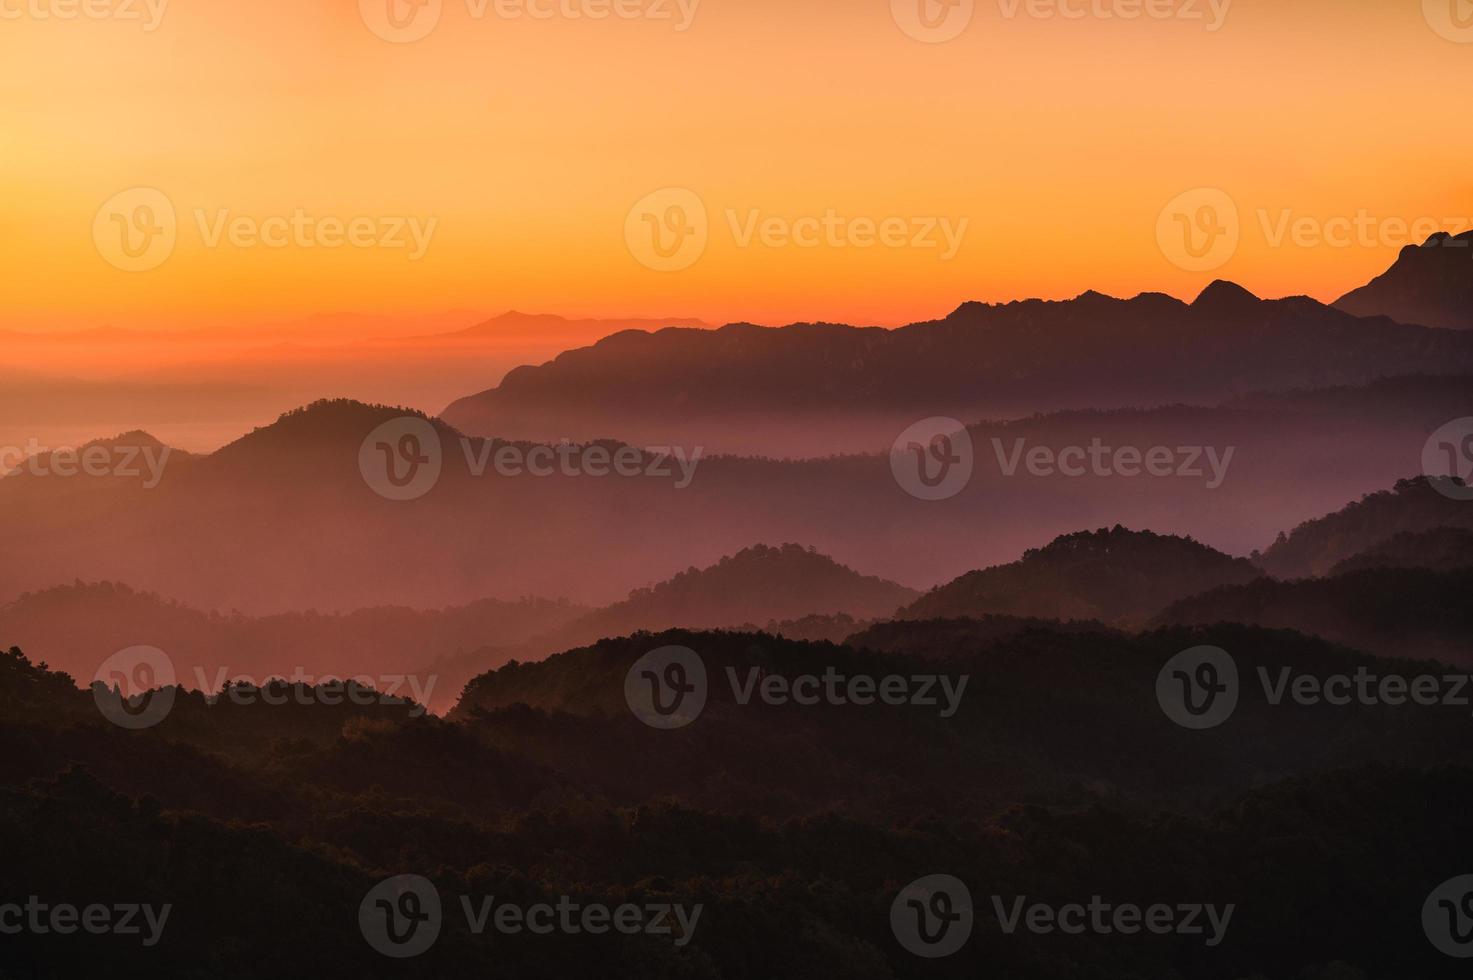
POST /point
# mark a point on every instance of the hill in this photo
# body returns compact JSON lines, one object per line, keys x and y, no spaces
{"x":1393,"y":612}
{"x":812,"y":389}
{"x":1115,"y":575}
{"x":283,"y":519}
{"x":75,"y":628}
{"x":1316,"y":546}
{"x":1441,"y":549}
{"x":1430,"y":284}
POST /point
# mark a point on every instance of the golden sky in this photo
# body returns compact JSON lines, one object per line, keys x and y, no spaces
{"x":824,"y":143}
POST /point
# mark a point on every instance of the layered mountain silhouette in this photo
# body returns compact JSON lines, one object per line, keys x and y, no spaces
{"x":815,"y":389}
{"x":1317,"y":546}
{"x":1114,"y":575}
{"x":1430,"y":284}
{"x":303,"y":808}
{"x":754,"y":587}
{"x":1441,"y":549}
{"x":1393,"y":612}
{"x":75,"y":628}
{"x":283,"y":519}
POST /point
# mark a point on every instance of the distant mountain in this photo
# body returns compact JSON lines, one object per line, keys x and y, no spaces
{"x":1316,"y":546}
{"x":755,"y":586}
{"x":74,"y":628}
{"x":201,"y":388}
{"x":1441,"y":549}
{"x":1430,"y":284}
{"x":819,"y":389}
{"x":1391,"y":612}
{"x":1115,"y":575}
{"x":789,"y":589}
{"x":283,"y":519}
{"x":1063,"y":715}
{"x":546,"y":327}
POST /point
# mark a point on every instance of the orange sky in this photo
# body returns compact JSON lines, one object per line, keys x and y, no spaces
{"x":521,"y":145}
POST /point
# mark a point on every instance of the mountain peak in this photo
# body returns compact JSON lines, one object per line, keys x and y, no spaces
{"x":1224,"y":296}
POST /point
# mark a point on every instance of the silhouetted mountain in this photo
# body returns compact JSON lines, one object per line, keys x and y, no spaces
{"x":1441,"y":549}
{"x":283,"y":519}
{"x":1057,"y":748}
{"x":516,"y":326}
{"x":1430,"y":284}
{"x":1392,"y":612}
{"x":815,"y":389}
{"x":75,"y":628}
{"x":755,"y":586}
{"x":1316,"y":546}
{"x":1114,"y":574}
